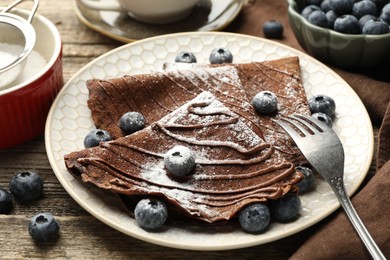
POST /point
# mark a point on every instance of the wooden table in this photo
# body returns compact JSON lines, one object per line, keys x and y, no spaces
{"x":81,"y":235}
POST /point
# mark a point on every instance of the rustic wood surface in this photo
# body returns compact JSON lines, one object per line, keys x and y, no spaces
{"x":81,"y":235}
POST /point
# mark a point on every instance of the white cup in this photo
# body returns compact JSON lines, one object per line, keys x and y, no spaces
{"x":150,"y":11}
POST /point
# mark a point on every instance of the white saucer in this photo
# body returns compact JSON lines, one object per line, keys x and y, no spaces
{"x":208,"y":15}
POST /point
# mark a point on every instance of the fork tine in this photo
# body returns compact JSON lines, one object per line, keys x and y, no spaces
{"x":322,"y":126}
{"x":291,"y":131}
{"x":295,"y":126}
{"x":308,"y":122}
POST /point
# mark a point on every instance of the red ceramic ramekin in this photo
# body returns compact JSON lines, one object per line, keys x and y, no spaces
{"x":24,"y":107}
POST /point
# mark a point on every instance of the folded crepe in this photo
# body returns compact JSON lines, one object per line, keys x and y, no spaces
{"x":241,"y":156}
{"x":234,"y":165}
{"x":156,"y":94}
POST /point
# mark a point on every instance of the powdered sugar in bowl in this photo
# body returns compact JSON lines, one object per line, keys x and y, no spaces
{"x":17,"y":40}
{"x":24,"y":103}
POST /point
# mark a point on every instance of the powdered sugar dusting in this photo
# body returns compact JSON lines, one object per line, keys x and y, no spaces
{"x":204,"y":115}
{"x":202,"y":110}
{"x":155,"y":173}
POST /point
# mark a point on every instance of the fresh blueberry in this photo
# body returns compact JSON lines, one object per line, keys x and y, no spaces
{"x":5,"y":201}
{"x":314,"y":2}
{"x":254,"y":218}
{"x":323,"y":104}
{"x":265,"y":102}
{"x":318,"y":18}
{"x":150,"y":213}
{"x":96,"y":136}
{"x":323,"y":118}
{"x":342,"y":7}
{"x":185,"y":57}
{"x":43,"y":227}
{"x":26,"y":185}
{"x":331,"y":16}
{"x":308,"y":183}
{"x":348,"y":24}
{"x":131,"y":122}
{"x":375,"y":26}
{"x":380,"y":3}
{"x":326,"y":6}
{"x":285,"y":208}
{"x":364,"y":19}
{"x":363,"y":8}
{"x":385,"y":14}
{"x":220,"y":55}
{"x":179,"y":160}
{"x":308,"y":10}
{"x":273,"y":29}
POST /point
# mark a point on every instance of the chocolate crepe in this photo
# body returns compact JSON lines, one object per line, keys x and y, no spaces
{"x":157,"y":94}
{"x":234,"y":165}
{"x":241,"y":156}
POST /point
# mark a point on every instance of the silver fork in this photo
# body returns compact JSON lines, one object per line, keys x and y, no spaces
{"x":324,"y":151}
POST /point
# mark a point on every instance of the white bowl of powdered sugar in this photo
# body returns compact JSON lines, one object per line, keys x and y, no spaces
{"x":25,"y":102}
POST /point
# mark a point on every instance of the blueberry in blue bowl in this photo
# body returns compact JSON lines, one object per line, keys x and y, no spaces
{"x":348,"y":48}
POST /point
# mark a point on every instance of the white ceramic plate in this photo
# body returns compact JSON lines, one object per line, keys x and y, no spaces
{"x":69,"y":121}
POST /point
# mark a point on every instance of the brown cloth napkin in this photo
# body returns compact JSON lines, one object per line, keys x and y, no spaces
{"x":336,"y":238}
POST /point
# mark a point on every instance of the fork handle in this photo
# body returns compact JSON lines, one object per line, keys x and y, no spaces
{"x":338,"y":186}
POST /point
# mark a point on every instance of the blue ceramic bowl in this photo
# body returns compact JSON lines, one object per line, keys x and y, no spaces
{"x":353,"y":52}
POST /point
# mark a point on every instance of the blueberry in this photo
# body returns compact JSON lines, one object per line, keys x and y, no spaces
{"x":375,"y":26}
{"x":43,"y":227}
{"x":364,"y":7}
{"x":26,"y":185}
{"x":179,"y":160}
{"x":342,"y":6}
{"x":265,"y":102}
{"x":323,"y":104}
{"x":308,"y":10}
{"x":131,"y":122}
{"x":331,"y":17}
{"x":348,"y":24}
{"x":308,"y":183}
{"x":285,"y":208}
{"x":385,"y":14}
{"x":364,"y":19}
{"x":220,"y":55}
{"x":96,"y":136}
{"x":273,"y":29}
{"x":326,"y":6}
{"x":5,"y":201}
{"x":323,"y":118}
{"x":254,"y":218}
{"x":313,"y":2}
{"x":380,"y":3}
{"x":150,"y":213}
{"x":318,"y":18}
{"x":185,"y":57}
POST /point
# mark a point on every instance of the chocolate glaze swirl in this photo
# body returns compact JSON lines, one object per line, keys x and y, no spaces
{"x":234,"y":165}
